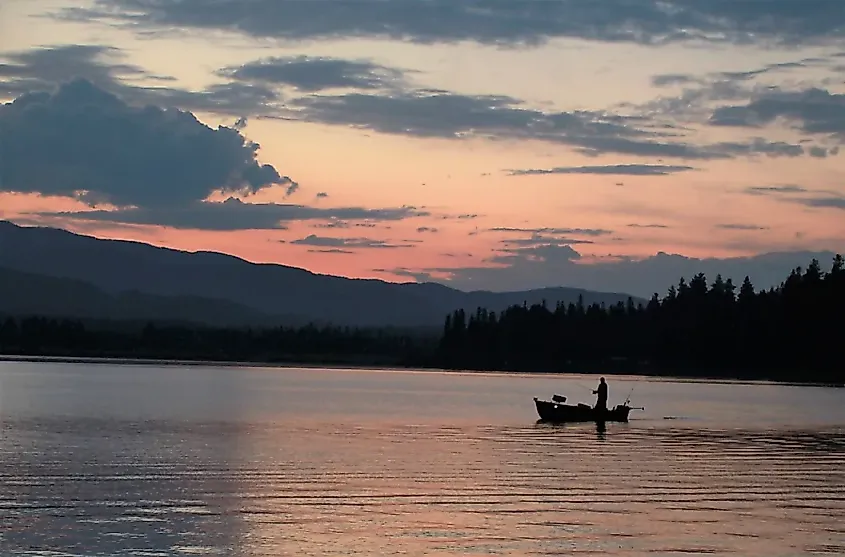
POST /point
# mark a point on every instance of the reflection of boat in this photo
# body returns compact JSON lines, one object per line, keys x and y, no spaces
{"x":557,"y":411}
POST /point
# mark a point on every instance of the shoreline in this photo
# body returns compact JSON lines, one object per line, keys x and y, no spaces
{"x":127,"y":361}
{"x":166,"y":362}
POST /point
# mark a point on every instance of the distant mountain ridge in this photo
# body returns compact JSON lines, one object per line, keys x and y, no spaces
{"x":28,"y":294}
{"x":208,"y":287}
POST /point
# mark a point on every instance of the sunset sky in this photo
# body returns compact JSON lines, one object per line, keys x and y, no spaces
{"x":496,"y":144}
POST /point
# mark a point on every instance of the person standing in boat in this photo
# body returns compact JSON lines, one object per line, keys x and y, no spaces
{"x":601,"y":401}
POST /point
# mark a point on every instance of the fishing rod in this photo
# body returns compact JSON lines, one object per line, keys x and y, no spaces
{"x":628,"y":399}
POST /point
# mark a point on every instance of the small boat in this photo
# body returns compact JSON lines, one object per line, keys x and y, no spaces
{"x":557,"y":412}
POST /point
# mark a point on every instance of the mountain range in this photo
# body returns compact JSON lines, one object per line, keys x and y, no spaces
{"x":54,"y":272}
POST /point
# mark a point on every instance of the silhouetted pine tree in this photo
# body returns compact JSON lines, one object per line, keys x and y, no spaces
{"x":788,"y":332}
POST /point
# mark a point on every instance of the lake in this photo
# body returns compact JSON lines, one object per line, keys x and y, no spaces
{"x":198,"y":460}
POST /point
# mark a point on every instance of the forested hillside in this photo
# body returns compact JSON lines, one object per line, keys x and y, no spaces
{"x":698,"y":328}
{"x":715,"y":328}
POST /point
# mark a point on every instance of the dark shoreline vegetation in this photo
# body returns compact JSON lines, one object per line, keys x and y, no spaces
{"x":697,"y":330}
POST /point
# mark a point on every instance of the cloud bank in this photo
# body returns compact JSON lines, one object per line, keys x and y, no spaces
{"x":83,"y":142}
{"x":157,"y":166}
{"x":493,"y":22}
{"x":812,"y":111}
{"x":312,"y":74}
{"x":615,"y":169}
{"x":791,"y":193}
{"x":347,"y":243}
{"x":234,"y":214}
{"x":45,"y":69}
{"x":552,"y":266}
{"x":369,"y":96}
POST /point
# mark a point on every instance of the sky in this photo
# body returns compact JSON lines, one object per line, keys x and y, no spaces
{"x":485,"y":144}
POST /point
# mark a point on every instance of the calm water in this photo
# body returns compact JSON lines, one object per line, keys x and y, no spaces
{"x":132,"y":460}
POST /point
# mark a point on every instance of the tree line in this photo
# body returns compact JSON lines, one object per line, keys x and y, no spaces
{"x":42,"y":336}
{"x":791,"y":332}
{"x":698,"y":328}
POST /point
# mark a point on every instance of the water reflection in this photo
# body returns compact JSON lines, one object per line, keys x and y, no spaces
{"x":600,"y":427}
{"x":72,"y":485}
{"x":235,"y":471}
{"x":165,"y":488}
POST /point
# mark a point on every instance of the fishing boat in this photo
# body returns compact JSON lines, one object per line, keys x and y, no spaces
{"x":557,"y":411}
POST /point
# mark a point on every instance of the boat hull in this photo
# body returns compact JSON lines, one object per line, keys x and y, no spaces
{"x":569,"y":413}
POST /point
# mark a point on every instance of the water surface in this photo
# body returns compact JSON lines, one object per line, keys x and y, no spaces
{"x":145,"y":460}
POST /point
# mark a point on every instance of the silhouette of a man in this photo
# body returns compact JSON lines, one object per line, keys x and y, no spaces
{"x":601,"y":401}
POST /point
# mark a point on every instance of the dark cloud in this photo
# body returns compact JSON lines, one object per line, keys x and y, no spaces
{"x":740,"y":226}
{"x":721,"y":98}
{"x":333,"y":224}
{"x":433,"y":113}
{"x":419,"y":113}
{"x":535,"y":253}
{"x":322,"y":195}
{"x":500,"y":22}
{"x":615,"y":169}
{"x":635,"y":225}
{"x":541,"y":243}
{"x":820,"y":199}
{"x":538,"y":240}
{"x":423,"y":229}
{"x":775,"y":67}
{"x":426,"y":113}
{"x":291,"y":189}
{"x":774,"y":190}
{"x":463,"y":216}
{"x":364,"y":243}
{"x":234,"y":214}
{"x":814,"y":111}
{"x":332,"y":250}
{"x":723,"y":150}
{"x":342,"y":224}
{"x":821,"y":152}
{"x":220,"y":98}
{"x":695,"y":103}
{"x":84,"y":142}
{"x":833,"y":202}
{"x":312,"y":74}
{"x":156,"y":164}
{"x":418,"y":276}
{"x":665,"y":80}
{"x":440,"y":114}
{"x":554,"y":231}
{"x":45,"y":69}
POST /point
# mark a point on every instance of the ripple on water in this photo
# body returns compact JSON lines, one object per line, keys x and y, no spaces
{"x":169,"y":488}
